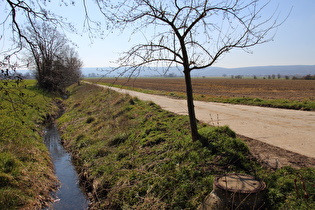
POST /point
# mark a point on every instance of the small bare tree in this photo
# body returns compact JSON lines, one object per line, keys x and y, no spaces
{"x":192,"y":34}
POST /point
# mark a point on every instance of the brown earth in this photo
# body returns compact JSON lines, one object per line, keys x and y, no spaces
{"x":254,"y":88}
{"x":271,"y":156}
{"x":275,"y":157}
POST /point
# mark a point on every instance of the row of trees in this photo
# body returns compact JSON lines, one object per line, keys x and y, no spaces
{"x":45,"y":50}
{"x":57,"y":64}
{"x":273,"y":76}
{"x":278,"y":76}
{"x":307,"y":77}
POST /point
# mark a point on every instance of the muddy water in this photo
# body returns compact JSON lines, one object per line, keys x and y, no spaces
{"x":69,"y":195}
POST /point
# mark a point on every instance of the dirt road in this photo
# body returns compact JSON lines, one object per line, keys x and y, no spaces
{"x":288,"y":129}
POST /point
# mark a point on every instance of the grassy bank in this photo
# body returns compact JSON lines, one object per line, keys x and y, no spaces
{"x":26,"y":174}
{"x":131,"y":154}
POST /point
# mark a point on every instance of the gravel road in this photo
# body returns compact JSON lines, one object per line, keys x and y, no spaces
{"x":288,"y":129}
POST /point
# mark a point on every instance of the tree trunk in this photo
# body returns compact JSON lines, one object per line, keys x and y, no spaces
{"x":191,"y":107}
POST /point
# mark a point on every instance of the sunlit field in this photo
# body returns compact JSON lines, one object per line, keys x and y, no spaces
{"x":292,"y":94}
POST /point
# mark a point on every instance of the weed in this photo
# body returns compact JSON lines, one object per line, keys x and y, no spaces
{"x":291,"y":188}
{"x":90,"y":119}
{"x":118,"y":139}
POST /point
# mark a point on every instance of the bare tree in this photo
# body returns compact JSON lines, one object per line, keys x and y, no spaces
{"x":17,"y":13}
{"x":57,"y":64}
{"x":192,"y":34}
{"x":67,"y":67}
{"x":14,"y":15}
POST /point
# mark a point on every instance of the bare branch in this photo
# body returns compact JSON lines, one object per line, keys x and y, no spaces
{"x":187,"y":33}
{"x":30,"y":12}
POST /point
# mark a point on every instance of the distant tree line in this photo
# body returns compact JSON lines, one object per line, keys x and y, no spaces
{"x":307,"y":77}
{"x":278,"y":76}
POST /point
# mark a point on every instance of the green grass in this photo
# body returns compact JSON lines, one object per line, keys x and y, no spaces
{"x":132,"y":154}
{"x":291,"y":188}
{"x":26,"y":174}
{"x":306,"y":105}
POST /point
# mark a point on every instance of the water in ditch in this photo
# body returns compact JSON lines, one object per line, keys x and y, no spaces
{"x":69,"y":195}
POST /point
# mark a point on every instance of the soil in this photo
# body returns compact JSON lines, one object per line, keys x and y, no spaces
{"x":275,"y":157}
{"x":269,"y":155}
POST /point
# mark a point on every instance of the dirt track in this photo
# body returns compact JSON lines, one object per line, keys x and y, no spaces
{"x":288,"y":129}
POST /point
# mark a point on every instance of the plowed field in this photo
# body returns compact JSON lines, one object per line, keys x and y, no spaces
{"x":255,"y":88}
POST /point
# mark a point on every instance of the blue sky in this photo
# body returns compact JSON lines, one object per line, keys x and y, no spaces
{"x":294,"y":42}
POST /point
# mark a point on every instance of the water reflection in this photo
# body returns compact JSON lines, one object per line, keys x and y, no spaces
{"x":69,"y":196}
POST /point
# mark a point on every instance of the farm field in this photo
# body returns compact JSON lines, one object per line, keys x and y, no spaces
{"x":298,"y":90}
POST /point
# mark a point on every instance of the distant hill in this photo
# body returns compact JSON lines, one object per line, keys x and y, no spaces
{"x":297,"y":70}
{"x":293,"y":70}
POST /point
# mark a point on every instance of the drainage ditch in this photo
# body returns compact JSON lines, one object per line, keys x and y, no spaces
{"x":69,"y":195}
